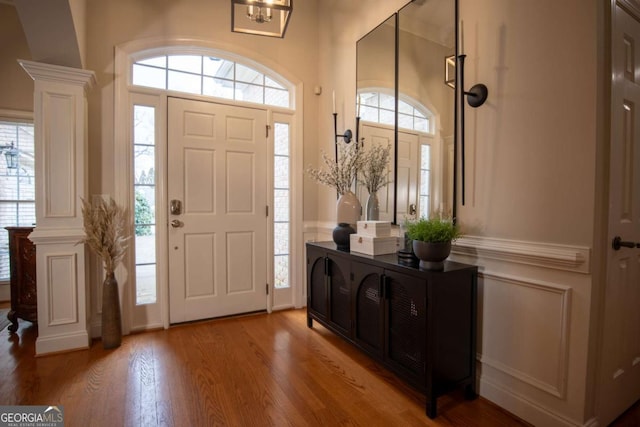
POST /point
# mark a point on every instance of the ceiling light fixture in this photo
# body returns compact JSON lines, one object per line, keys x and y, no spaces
{"x":264,"y":18}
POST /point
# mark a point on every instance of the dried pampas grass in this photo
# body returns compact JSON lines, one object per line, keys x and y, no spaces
{"x":104,"y":226}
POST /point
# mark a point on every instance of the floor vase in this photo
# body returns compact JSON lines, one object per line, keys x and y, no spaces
{"x":111,"y":318}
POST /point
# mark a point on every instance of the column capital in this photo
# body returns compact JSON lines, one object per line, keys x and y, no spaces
{"x":39,"y":71}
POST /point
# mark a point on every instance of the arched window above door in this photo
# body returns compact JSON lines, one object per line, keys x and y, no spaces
{"x":377,"y":105}
{"x":211,"y":76}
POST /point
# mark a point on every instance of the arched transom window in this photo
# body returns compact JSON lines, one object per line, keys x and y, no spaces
{"x":211,"y":76}
{"x":378,"y":106}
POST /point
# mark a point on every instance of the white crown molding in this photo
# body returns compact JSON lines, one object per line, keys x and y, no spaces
{"x":549,"y":255}
{"x":54,"y":236}
{"x":59,"y":73}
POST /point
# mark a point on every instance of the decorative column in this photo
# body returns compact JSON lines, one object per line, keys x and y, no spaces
{"x":60,"y":119}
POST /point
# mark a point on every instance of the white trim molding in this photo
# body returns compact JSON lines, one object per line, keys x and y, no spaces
{"x":548,"y":255}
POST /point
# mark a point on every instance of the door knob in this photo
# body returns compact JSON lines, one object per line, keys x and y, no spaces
{"x":176,"y":223}
{"x":618,"y":243}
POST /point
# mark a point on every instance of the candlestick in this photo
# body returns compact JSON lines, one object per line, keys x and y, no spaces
{"x":334,"y":102}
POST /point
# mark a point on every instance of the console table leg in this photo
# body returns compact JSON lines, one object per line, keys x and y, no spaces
{"x":470,"y":392}
{"x":11,"y":316}
{"x":432,"y":406}
{"x":309,"y":322}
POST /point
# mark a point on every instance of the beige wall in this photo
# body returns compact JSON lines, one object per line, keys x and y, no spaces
{"x":16,"y":87}
{"x":531,"y":148}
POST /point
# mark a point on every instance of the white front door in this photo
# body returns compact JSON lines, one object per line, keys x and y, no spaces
{"x":619,"y":385}
{"x":217,"y":188}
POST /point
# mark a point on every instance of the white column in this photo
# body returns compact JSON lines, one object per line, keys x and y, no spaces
{"x":60,"y":119}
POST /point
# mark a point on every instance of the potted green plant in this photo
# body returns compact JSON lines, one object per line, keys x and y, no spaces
{"x":431,"y":240}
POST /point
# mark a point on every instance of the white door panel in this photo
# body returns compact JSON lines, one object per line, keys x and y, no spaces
{"x":619,"y":385}
{"x":218,"y":247}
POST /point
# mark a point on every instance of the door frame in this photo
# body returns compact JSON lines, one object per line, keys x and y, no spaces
{"x":153,"y":316}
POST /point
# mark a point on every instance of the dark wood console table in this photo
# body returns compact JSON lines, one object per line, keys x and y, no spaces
{"x":419,"y":324}
{"x":22,"y":257}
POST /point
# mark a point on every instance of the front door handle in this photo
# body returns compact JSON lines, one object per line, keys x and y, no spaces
{"x":176,"y":223}
{"x":618,"y":243}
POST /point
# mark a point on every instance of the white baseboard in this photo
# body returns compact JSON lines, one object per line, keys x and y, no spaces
{"x":524,"y":408}
{"x":62,"y":343}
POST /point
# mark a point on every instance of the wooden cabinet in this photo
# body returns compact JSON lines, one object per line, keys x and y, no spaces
{"x":419,"y":324}
{"x":22,"y":257}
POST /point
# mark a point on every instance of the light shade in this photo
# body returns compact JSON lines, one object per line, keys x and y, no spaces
{"x":263,"y":18}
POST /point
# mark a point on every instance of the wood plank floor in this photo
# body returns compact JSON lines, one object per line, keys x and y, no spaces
{"x":262,"y":370}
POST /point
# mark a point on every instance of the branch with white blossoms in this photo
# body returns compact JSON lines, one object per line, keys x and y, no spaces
{"x":104,"y":227}
{"x":374,"y":173}
{"x":339,"y":174}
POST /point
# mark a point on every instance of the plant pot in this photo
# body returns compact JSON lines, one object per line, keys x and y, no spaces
{"x":431,"y":255}
{"x":111,"y":320}
{"x":342,"y":236}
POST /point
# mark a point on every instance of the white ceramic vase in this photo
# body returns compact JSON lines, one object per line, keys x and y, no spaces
{"x":348,"y":209}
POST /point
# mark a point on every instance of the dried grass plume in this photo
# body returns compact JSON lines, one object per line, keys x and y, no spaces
{"x":104,"y":226}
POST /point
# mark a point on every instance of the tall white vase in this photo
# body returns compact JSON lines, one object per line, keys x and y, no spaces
{"x":348,"y":209}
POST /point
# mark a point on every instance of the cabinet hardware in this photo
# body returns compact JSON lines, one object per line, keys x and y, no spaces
{"x":618,"y":243}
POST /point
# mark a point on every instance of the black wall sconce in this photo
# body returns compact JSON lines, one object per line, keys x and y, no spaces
{"x":476,"y":96}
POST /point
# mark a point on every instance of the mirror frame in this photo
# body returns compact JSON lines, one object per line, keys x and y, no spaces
{"x":396,"y":16}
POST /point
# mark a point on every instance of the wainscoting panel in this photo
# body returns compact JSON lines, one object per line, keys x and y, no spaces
{"x":523,"y":320}
{"x":62,"y":285}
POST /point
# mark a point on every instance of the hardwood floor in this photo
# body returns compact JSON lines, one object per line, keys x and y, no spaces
{"x":247,"y":371}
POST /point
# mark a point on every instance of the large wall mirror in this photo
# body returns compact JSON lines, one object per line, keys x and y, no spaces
{"x":403,"y":100}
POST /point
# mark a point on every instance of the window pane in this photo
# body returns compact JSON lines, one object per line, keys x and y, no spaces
{"x":281,"y":136}
{"x":249,"y":93}
{"x":146,"y":247}
{"x":159,"y":61}
{"x":149,"y":77}
{"x":369,"y":98}
{"x":184,"y":82}
{"x":424,"y":182}
{"x":425,"y":157}
{"x":276,"y":97}
{"x":144,"y":131}
{"x":17,"y":184}
{"x":249,"y":75}
{"x":144,"y":163}
{"x":217,"y":87}
{"x":405,"y":121}
{"x":188,"y":63}
{"x":272,"y":83}
{"x":217,"y":67}
{"x":422,"y":125}
{"x":281,"y":271}
{"x":145,"y":284}
{"x":281,"y":238}
{"x":281,"y":205}
{"x":145,"y":212}
{"x":405,"y":108}
{"x":281,"y":172}
{"x":387,"y":117}
{"x":369,"y":114}
{"x":424,"y":206}
{"x":387,"y":101}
